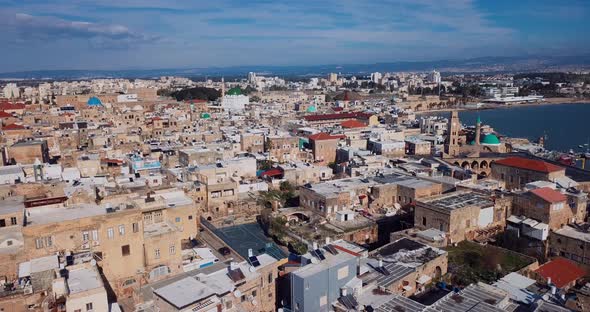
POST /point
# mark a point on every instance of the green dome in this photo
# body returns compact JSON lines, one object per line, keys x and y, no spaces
{"x":234,"y":91}
{"x":312,"y":109}
{"x":490,"y":139}
{"x":205,"y":115}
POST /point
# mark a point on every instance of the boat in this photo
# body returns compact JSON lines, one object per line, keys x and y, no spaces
{"x":571,"y":152}
{"x":581,"y":146}
{"x":587,"y":155}
{"x":567,"y":160}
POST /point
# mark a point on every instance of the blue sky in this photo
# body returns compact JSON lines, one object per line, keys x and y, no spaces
{"x":111,"y":34}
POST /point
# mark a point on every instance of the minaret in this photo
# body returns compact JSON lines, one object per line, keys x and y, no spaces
{"x":477,"y":131}
{"x":452,"y":142}
{"x":222,"y":90}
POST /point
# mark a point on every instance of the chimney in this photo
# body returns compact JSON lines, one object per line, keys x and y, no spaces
{"x":343,"y":291}
{"x":327,"y":240}
{"x":549,"y":281}
{"x":315,"y":245}
{"x":250,"y":253}
{"x":553,"y":290}
{"x":233,"y":266}
{"x":380,"y":263}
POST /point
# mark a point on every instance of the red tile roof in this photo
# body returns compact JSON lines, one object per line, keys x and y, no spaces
{"x":274,"y":172}
{"x":353,"y":123}
{"x":336,"y":116}
{"x":549,"y":195}
{"x":325,"y":136}
{"x":4,"y":114}
{"x":561,"y":271}
{"x":13,"y":127}
{"x":10,"y":106}
{"x":529,"y":164}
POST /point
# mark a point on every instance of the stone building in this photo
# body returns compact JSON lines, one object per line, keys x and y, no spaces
{"x":544,"y":205}
{"x":133,"y":237}
{"x":26,"y":152}
{"x":282,"y":148}
{"x":571,"y":242}
{"x":515,"y":172}
{"x":252,"y":142}
{"x":460,"y":214}
{"x":323,"y":146}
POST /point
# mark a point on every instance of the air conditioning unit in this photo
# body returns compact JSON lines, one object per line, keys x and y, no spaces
{"x":85,"y":246}
{"x":95,"y":243}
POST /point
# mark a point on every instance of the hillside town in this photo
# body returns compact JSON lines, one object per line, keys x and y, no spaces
{"x":262,"y":193}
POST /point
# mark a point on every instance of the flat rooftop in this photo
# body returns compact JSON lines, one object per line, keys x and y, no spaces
{"x":401,"y":304}
{"x":12,"y":205}
{"x":84,"y":279}
{"x":579,"y":232}
{"x":47,"y":215}
{"x":335,"y":187}
{"x":249,"y":236}
{"x":460,"y":200}
{"x":330,"y":262}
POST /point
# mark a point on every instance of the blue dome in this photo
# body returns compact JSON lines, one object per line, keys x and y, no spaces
{"x":94,"y":101}
{"x":312,"y":109}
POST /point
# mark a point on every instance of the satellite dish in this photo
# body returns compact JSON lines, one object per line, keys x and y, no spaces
{"x":93,"y":262}
{"x":315,"y":260}
{"x":237,"y":293}
{"x":252,"y":269}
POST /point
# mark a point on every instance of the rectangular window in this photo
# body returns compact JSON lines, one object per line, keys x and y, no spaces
{"x":39,"y":243}
{"x":85,"y":236}
{"x":323,"y":300}
{"x":95,"y":235}
{"x":190,"y":217}
{"x":254,"y":293}
{"x":343,"y":272}
{"x":89,"y":306}
{"x":121,"y":230}
{"x":157,"y":253}
{"x":13,"y":221}
{"x":135,"y":227}
{"x":48,"y":241}
{"x":177,"y":219}
{"x":2,"y":223}
{"x":125,"y":250}
{"x":172,"y":249}
{"x":110,"y":233}
{"x":158,"y":216}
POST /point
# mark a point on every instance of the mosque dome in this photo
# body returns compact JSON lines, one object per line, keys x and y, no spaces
{"x":312,"y":109}
{"x":94,"y":101}
{"x":137,"y":108}
{"x":205,"y":115}
{"x":234,"y":91}
{"x":490,"y":139}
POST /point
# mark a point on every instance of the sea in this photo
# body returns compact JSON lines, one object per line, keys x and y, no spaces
{"x":565,"y":126}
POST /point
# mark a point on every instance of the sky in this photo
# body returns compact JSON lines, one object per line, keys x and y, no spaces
{"x":152,"y":34}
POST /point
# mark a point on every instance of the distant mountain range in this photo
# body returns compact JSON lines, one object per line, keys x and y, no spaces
{"x":474,"y":65}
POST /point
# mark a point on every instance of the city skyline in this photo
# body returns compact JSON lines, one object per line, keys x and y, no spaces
{"x":158,"y":34}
